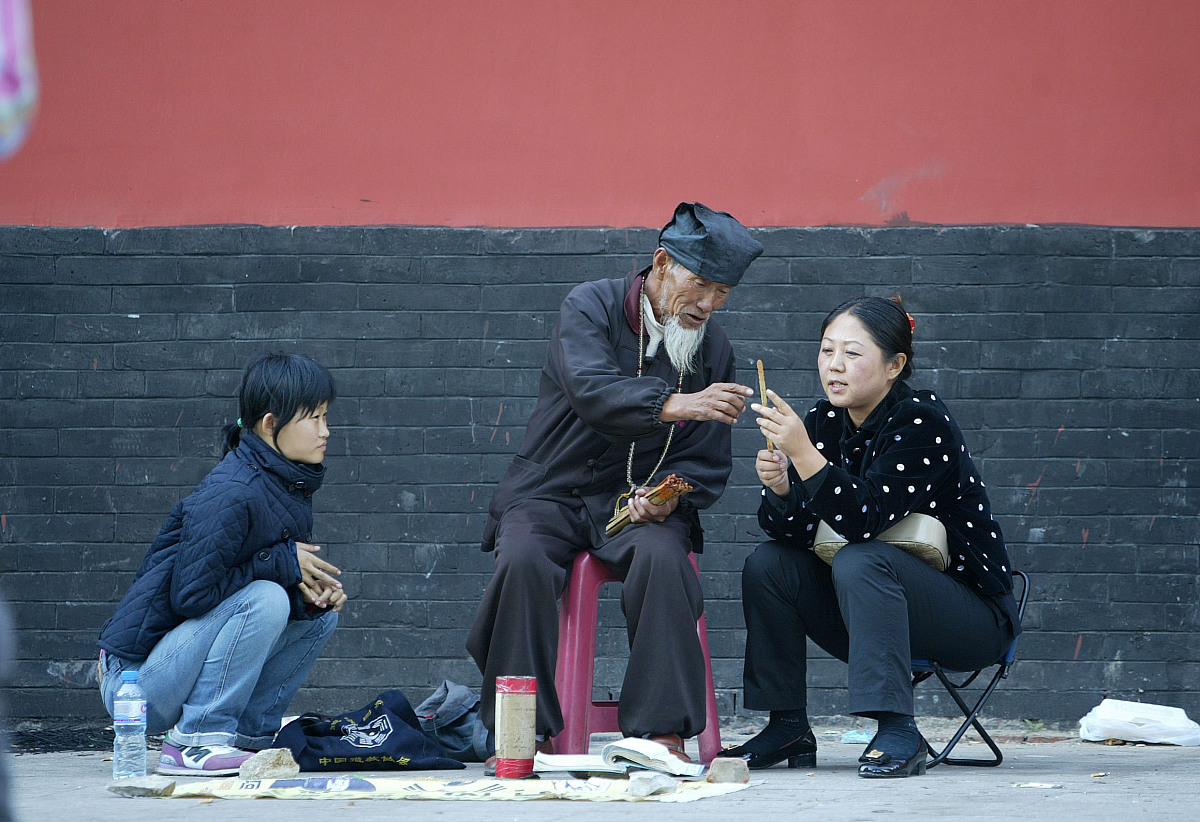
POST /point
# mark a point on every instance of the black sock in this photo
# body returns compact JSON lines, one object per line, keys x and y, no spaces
{"x":784,"y":727}
{"x":897,"y":735}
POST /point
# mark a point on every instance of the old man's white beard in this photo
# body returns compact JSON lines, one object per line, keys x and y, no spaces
{"x":682,"y":344}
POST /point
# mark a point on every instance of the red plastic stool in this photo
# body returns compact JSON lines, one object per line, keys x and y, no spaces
{"x":583,"y":716}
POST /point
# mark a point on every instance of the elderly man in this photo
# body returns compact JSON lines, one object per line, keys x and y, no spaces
{"x":638,"y":384}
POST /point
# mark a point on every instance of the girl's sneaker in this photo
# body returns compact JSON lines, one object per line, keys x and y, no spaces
{"x":206,"y":760}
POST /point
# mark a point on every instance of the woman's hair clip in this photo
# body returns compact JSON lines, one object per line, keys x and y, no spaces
{"x":912,"y":324}
{"x":239,"y":422}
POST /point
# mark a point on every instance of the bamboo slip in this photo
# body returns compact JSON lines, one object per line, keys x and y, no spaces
{"x":665,"y":491}
{"x":762,"y":391}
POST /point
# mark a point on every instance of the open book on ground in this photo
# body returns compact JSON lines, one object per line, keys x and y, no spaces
{"x":620,"y":757}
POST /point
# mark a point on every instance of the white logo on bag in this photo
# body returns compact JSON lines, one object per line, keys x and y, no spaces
{"x":371,"y":735}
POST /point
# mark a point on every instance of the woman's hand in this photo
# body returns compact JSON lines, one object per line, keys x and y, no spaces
{"x":783,"y":426}
{"x":642,"y":510}
{"x":772,"y":471}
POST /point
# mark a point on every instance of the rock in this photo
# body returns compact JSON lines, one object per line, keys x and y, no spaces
{"x":143,"y":786}
{"x":729,"y":770}
{"x":273,"y":763}
{"x":648,"y":783}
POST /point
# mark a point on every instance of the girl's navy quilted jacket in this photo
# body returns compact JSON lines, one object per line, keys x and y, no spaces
{"x":241,"y":524}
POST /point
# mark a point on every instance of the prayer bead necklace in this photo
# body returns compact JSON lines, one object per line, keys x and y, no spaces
{"x":670,"y":431}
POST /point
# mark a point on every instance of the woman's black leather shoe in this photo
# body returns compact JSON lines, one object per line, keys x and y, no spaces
{"x":879,"y":765}
{"x":801,"y":752}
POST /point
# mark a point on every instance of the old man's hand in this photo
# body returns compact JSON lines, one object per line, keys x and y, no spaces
{"x":643,"y":510}
{"x":721,"y":401}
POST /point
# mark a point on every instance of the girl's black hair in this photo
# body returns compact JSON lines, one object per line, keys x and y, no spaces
{"x":279,"y":384}
{"x":886,"y":321}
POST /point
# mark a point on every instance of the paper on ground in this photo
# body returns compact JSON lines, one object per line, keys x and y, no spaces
{"x":597,"y":789}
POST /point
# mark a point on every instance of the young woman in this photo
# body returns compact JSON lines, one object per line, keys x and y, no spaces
{"x":231,"y":605}
{"x":872,"y":453}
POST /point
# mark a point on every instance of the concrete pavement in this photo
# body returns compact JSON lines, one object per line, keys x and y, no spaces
{"x":1039,"y":780}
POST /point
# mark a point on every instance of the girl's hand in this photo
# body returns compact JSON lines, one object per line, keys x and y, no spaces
{"x":337,"y":599}
{"x":772,"y":471}
{"x":331,"y":598}
{"x":642,"y":510}
{"x":316,"y":573}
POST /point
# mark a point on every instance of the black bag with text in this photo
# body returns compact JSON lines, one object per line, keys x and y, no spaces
{"x":383,"y":736}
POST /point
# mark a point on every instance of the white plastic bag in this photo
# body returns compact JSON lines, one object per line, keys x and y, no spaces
{"x":1138,"y":722}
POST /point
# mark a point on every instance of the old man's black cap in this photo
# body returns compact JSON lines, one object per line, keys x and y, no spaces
{"x":710,"y":244}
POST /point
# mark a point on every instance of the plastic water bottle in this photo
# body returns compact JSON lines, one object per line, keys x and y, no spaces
{"x":129,"y":728}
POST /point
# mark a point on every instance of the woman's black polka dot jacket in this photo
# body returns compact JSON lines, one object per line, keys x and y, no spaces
{"x":908,"y":455}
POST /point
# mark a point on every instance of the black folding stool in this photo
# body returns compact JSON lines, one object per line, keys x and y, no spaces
{"x":925,"y":668}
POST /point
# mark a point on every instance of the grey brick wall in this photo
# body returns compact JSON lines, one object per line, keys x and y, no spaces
{"x":1069,"y":355}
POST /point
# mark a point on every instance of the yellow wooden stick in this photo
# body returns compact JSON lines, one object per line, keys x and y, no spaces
{"x":762,"y":390}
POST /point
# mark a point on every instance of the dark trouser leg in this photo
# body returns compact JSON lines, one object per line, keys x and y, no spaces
{"x":875,"y":609}
{"x":515,"y":632}
{"x":787,"y":596}
{"x":663,"y":689}
{"x":896,"y":607}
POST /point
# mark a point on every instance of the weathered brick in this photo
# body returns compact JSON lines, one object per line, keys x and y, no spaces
{"x":50,"y":241}
{"x":888,"y":272}
{"x":1051,"y":240}
{"x":172,"y":355}
{"x":28,"y":499}
{"x":62,"y":385}
{"x":525,"y":297}
{"x":812,"y":242}
{"x":1147,"y":354}
{"x":168,"y":240}
{"x":48,"y":355}
{"x":263,"y":326}
{"x":359,"y":269}
{"x":1185,"y":271}
{"x":21,"y":269}
{"x":296,"y":296}
{"x":94,"y":384}
{"x":417,"y":353}
{"x":117,"y":442}
{"x":534,"y":241}
{"x":242,"y":268}
{"x":409,"y":241}
{"x":991,"y":270}
{"x":1156,"y":242}
{"x":54,"y":413}
{"x":112,"y":270}
{"x":27,"y":327}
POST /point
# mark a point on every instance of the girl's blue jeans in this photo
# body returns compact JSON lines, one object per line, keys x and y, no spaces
{"x":226,"y":678}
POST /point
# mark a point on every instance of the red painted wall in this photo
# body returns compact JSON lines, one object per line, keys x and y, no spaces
{"x":785,"y":112}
